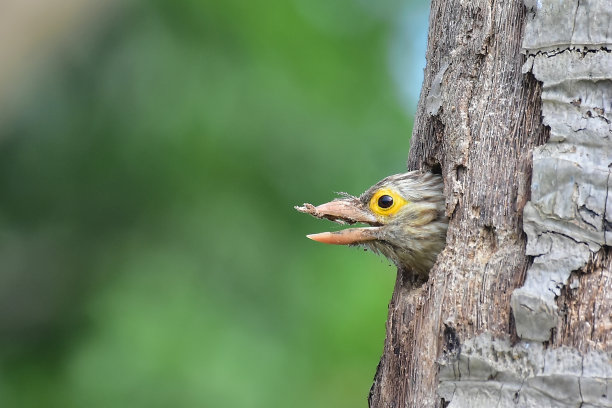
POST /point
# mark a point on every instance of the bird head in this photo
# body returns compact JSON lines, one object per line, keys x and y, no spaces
{"x":405,"y":214}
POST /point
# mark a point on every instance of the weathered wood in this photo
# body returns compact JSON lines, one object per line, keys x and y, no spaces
{"x":585,"y":307}
{"x":478,"y":122}
{"x":568,"y":217}
{"x":479,"y":132}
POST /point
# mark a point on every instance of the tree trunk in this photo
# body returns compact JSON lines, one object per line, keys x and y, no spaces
{"x":467,"y":338}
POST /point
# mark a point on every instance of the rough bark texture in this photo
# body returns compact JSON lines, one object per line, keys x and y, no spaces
{"x":585,"y":307}
{"x":479,"y":120}
{"x":568,"y":218}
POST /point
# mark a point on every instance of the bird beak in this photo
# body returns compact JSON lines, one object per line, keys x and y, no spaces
{"x":345,"y":237}
{"x":343,"y":211}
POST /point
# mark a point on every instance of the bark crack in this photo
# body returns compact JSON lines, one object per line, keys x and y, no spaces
{"x":539,"y":234}
{"x":500,"y":395}
{"x":557,"y":51}
{"x":605,"y":210}
{"x":518,"y":393}
{"x":579,"y":382}
{"x":468,"y":367}
{"x":574,"y":22}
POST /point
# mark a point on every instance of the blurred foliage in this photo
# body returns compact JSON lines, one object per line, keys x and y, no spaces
{"x":150,"y":252}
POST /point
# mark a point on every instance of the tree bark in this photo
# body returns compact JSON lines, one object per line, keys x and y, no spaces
{"x":479,"y":119}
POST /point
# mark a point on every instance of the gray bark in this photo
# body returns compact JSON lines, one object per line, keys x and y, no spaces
{"x":512,"y":315}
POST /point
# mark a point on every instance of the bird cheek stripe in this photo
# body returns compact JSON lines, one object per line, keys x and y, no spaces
{"x":382,"y":197}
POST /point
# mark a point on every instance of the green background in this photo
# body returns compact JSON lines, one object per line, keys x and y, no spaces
{"x":150,"y":255}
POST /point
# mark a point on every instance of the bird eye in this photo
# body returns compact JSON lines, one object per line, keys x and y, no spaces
{"x":385,"y":201}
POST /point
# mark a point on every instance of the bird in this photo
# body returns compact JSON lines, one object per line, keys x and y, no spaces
{"x":406,"y":219}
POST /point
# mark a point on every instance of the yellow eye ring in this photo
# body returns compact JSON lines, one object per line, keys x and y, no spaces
{"x":386,"y":202}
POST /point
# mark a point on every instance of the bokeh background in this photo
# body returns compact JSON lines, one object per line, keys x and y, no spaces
{"x":150,"y":157}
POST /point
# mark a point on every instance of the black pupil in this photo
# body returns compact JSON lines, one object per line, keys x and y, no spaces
{"x":385,"y":201}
